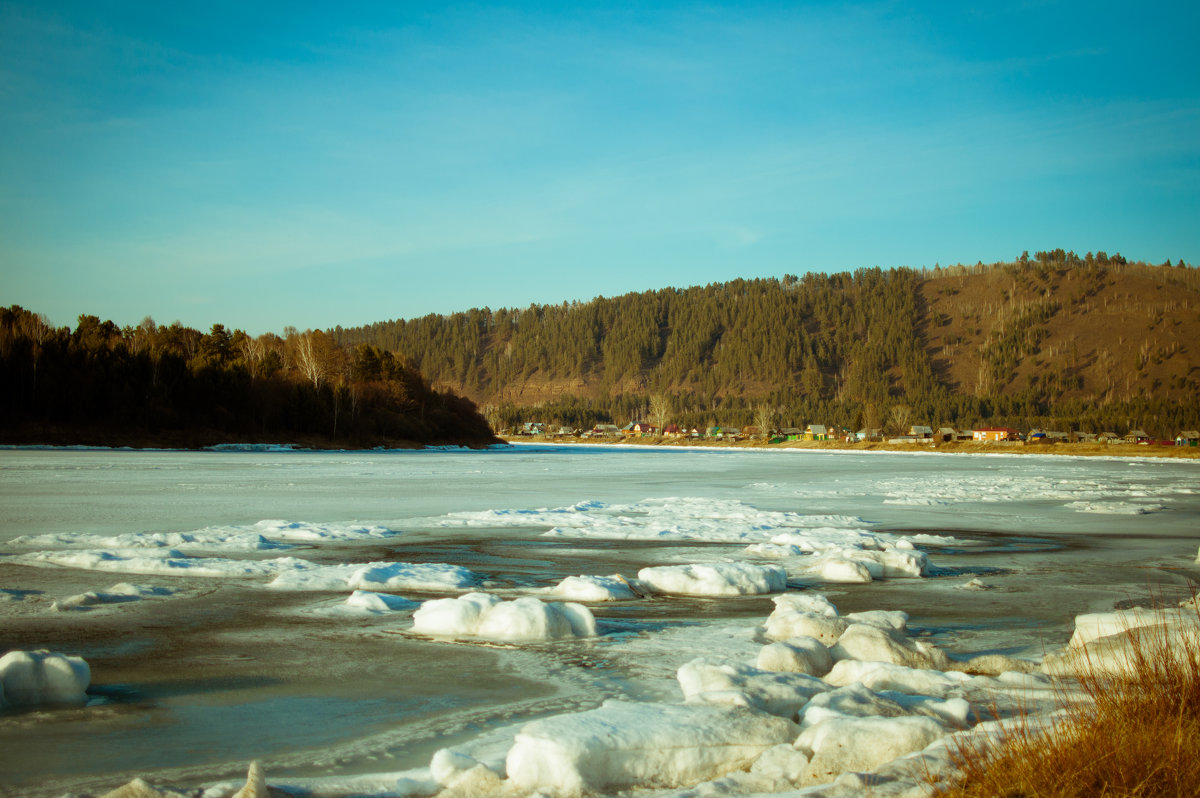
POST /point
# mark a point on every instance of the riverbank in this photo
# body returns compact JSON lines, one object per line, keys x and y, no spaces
{"x":956,"y":447}
{"x":205,"y":438}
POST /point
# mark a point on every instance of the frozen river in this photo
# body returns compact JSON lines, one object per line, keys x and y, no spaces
{"x":231,"y":638}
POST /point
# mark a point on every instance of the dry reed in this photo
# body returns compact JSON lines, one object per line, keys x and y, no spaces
{"x":1136,"y":736}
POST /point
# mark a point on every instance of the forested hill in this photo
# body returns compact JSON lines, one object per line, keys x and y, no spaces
{"x":1055,"y":340}
{"x":173,"y":386}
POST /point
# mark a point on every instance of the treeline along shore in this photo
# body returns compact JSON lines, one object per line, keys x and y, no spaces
{"x":1056,"y":341}
{"x":172,"y":386}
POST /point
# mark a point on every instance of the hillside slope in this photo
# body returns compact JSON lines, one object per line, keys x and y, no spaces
{"x":1056,"y":339}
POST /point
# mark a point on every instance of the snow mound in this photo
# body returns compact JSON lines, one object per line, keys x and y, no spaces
{"x":484,"y":616}
{"x":160,"y":563}
{"x":621,"y":745}
{"x":32,"y":678}
{"x":715,"y":579}
{"x":593,"y":588}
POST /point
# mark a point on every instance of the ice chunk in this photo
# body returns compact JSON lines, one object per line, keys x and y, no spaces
{"x":140,"y":788}
{"x":841,"y":570}
{"x":796,"y":655}
{"x":858,"y":701}
{"x":805,"y":602}
{"x":785,"y":623}
{"x":881,"y":676}
{"x":838,"y":745}
{"x":593,"y":588}
{"x":30,"y":678}
{"x":484,"y":616}
{"x":1103,"y":624}
{"x":890,"y":620}
{"x":1119,"y":654}
{"x":870,"y":643}
{"x":715,"y":579}
{"x":781,"y":694}
{"x":623,"y":744}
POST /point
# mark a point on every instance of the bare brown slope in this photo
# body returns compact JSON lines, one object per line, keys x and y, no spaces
{"x":1107,"y":334}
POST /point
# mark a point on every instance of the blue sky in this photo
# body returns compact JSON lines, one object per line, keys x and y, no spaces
{"x":337,"y":164}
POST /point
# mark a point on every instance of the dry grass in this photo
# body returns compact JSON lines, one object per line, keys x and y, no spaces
{"x":1137,"y":737}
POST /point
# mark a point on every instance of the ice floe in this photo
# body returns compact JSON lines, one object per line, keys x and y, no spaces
{"x":485,"y":616}
{"x":33,"y":678}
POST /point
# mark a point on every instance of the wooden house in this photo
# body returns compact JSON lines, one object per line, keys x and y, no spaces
{"x":995,"y":434}
{"x":816,"y":432}
{"x":1137,"y":436}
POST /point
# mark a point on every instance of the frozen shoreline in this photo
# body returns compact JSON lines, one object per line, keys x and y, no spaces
{"x":523,"y":521}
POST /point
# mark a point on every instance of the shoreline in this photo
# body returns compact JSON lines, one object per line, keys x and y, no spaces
{"x":1120,"y":451}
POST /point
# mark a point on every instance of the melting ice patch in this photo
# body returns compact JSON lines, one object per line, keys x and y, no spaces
{"x":1115,"y":508}
{"x":667,"y":519}
{"x":1086,"y":494}
{"x":117,"y":594}
{"x":376,"y":576}
{"x":263,"y":536}
{"x":287,"y":573}
{"x":163,"y":562}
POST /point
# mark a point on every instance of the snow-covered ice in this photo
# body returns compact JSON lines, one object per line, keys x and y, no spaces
{"x":621,"y":745}
{"x":714,"y":579}
{"x":719,"y":538}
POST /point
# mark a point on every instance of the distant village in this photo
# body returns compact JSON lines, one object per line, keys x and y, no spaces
{"x":916,"y":434}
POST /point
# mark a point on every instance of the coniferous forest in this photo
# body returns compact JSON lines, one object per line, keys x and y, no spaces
{"x":175,"y":386}
{"x":1055,"y":340}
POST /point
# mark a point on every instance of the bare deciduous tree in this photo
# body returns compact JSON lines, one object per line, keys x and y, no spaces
{"x":901,"y":419}
{"x":660,"y":411}
{"x":764,"y":419}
